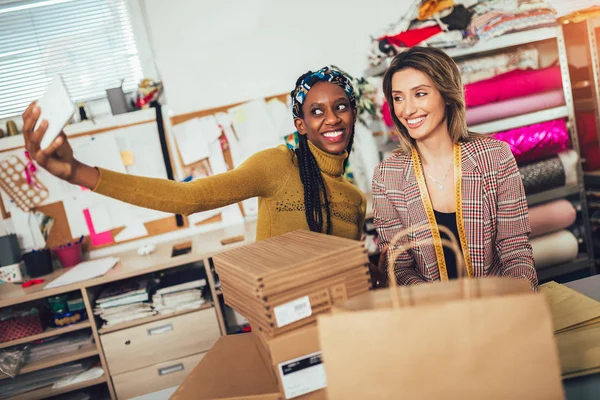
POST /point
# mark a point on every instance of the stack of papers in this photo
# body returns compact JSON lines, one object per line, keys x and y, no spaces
{"x":282,"y":283}
{"x":180,"y":290}
{"x":124,"y":301}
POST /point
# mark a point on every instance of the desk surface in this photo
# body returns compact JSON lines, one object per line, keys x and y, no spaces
{"x":131,"y":264}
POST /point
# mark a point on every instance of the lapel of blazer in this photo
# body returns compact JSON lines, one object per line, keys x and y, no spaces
{"x":472,"y":203}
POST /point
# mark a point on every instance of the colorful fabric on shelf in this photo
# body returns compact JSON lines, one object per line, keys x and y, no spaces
{"x":513,"y":84}
{"x":551,"y":173}
{"x":537,"y":141}
{"x":551,"y":217}
{"x":514,"y":107}
{"x":412,"y":37}
{"x":554,"y":248}
{"x":488,"y":25}
{"x":481,"y":68}
{"x":431,"y":7}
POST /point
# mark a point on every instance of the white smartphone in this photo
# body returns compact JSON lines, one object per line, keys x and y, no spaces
{"x":57,"y":108}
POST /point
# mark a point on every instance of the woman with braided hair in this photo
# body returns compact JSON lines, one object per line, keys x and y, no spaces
{"x":301,"y":189}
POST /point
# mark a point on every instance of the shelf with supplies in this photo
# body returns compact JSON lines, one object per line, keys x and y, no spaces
{"x":154,"y":318}
{"x":552,"y":194}
{"x":48,"y":391}
{"x":50,"y":332}
{"x":79,"y":354}
{"x":520,"y":120}
{"x":484,"y":46}
{"x":582,"y":262}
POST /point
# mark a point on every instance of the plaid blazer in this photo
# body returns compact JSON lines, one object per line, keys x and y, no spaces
{"x":495,"y":214}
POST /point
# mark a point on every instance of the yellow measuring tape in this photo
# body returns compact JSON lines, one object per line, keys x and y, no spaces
{"x":435,"y":232}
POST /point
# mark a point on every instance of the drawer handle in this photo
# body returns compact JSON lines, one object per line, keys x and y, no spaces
{"x":160,"y":329}
{"x":171,"y":369}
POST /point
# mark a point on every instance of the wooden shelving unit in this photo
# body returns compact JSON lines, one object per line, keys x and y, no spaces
{"x":46,"y":334}
{"x":85,"y":352}
{"x":48,"y":391}
{"x":154,"y":318}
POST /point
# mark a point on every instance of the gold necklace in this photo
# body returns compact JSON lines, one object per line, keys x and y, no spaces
{"x":439,"y":184}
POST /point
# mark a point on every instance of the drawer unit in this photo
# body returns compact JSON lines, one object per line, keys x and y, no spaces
{"x":155,"y":342}
{"x":154,"y":378}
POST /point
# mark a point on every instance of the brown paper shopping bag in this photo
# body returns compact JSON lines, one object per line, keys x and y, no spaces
{"x":465,"y":339}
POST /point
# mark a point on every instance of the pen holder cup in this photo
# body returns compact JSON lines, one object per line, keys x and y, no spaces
{"x":38,"y":263}
{"x":69,"y":256}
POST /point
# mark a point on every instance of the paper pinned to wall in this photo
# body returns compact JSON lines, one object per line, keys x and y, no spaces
{"x":282,"y":117}
{"x":235,"y":150}
{"x":131,"y":231}
{"x":27,"y":230}
{"x":192,"y":144}
{"x":254,"y":127}
{"x":100,"y":218}
{"x":100,"y":150}
{"x":216,"y":159}
{"x":143,"y":143}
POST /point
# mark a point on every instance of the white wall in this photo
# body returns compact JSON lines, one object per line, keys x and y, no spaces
{"x":211,"y":53}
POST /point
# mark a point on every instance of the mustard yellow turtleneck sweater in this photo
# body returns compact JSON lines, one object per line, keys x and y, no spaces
{"x":271,"y":175}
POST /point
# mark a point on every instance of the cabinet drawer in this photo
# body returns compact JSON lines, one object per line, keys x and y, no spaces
{"x":154,"y":378}
{"x":155,"y":342}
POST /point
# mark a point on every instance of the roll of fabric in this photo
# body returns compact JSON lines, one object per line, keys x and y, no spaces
{"x":543,"y":175}
{"x":513,"y":84}
{"x":551,"y":173}
{"x":537,"y":141}
{"x":514,"y":107}
{"x":554,"y":248}
{"x":551,"y":217}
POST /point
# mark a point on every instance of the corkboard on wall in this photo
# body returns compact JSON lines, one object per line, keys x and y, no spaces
{"x":61,"y":233}
{"x":178,"y":119}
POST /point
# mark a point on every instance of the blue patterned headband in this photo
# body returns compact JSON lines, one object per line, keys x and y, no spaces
{"x":325,"y":74}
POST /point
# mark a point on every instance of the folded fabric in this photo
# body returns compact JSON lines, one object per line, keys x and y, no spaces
{"x":459,"y":18}
{"x":551,"y":217}
{"x":537,"y":141}
{"x":513,"y":84}
{"x":551,"y":173}
{"x":431,"y":7}
{"x":554,"y":248}
{"x":514,"y":107}
{"x":481,"y":68}
{"x":412,"y":37}
{"x":496,"y":23}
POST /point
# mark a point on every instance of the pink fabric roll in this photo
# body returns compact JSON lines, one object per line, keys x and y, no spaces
{"x":513,"y":84}
{"x":551,"y":217}
{"x":513,"y":107}
{"x":537,"y":141}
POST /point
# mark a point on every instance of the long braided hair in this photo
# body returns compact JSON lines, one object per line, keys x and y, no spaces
{"x":315,"y":191}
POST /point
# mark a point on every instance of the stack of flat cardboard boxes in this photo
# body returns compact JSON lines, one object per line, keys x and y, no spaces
{"x":280,"y":285}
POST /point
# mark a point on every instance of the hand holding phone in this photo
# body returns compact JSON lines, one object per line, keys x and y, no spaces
{"x":57,"y":108}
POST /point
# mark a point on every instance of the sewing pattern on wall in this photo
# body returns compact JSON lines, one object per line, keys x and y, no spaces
{"x":19,"y":182}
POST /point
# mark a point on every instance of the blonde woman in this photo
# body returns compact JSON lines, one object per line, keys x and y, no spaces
{"x":442,"y":174}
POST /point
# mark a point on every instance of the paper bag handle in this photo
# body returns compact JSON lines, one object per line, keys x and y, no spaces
{"x":396,"y":248}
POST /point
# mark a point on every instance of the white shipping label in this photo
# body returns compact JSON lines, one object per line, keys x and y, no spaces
{"x":293,"y":311}
{"x":302,"y":375}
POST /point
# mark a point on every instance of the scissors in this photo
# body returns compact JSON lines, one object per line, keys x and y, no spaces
{"x":32,"y":282}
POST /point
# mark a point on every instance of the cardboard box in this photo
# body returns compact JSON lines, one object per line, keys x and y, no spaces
{"x":232,"y":369}
{"x":295,"y":361}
